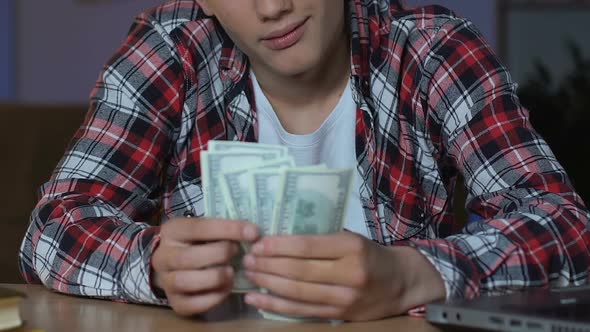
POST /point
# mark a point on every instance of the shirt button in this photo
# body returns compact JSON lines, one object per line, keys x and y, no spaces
{"x":189,"y":213}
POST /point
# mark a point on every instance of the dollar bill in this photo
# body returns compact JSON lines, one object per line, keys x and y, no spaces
{"x":264,"y":185}
{"x":237,"y":146}
{"x":213,"y":164}
{"x":235,"y":186}
{"x":263,"y":189}
{"x":258,"y":182}
{"x":312,"y":201}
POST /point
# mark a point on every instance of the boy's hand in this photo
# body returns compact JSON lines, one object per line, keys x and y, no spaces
{"x":192,"y":261}
{"x":339,"y":276}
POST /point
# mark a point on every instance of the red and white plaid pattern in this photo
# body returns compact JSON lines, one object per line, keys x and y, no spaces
{"x":433,"y":101}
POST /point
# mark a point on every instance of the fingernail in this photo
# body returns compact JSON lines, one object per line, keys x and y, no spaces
{"x":258,"y":248}
{"x":250,"y":299}
{"x":250,"y":232}
{"x":229,"y":271}
{"x":249,"y":261}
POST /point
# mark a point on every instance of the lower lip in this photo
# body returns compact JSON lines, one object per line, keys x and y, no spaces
{"x":286,"y":41}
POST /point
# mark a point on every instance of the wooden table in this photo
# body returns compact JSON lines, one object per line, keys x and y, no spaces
{"x":49,"y":311}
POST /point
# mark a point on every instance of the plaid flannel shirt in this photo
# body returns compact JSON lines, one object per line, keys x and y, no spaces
{"x":433,"y":101}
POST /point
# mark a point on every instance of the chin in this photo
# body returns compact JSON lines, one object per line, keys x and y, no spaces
{"x":293,"y":67}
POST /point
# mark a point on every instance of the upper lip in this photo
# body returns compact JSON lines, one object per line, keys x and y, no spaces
{"x":283,"y":31}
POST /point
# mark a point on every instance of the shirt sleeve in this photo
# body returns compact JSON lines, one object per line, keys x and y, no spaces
{"x":88,"y":233}
{"x":535,"y":227}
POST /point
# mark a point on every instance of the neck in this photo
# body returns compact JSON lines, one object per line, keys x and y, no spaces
{"x":327,"y":79}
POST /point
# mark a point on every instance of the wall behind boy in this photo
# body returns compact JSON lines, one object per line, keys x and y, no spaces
{"x":62,"y":44}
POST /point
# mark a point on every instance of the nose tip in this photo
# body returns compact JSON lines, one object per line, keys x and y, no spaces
{"x":273,"y":9}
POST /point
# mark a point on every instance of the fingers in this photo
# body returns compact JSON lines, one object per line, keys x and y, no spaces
{"x":314,"y":270}
{"x":310,"y":246}
{"x":191,"y":262}
{"x":189,"y":230}
{"x":183,"y":282}
{"x":348,"y":272}
{"x":194,"y":292}
{"x":187,"y":305}
{"x":197,"y":256}
{"x":303,"y":291}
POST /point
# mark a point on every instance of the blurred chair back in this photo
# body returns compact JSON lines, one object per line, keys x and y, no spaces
{"x":32,"y":140}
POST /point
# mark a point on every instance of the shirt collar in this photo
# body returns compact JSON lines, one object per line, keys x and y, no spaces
{"x":233,"y":64}
{"x":364,"y":19}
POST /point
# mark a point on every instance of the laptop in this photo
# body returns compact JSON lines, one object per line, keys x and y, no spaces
{"x":558,"y":309}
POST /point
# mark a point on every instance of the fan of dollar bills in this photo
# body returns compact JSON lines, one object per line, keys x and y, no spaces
{"x":260,"y":183}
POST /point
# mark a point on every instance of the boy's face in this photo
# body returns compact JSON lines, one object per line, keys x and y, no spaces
{"x":287,"y":37}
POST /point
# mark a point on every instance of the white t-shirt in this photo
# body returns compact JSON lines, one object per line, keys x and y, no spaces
{"x":333,"y":144}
